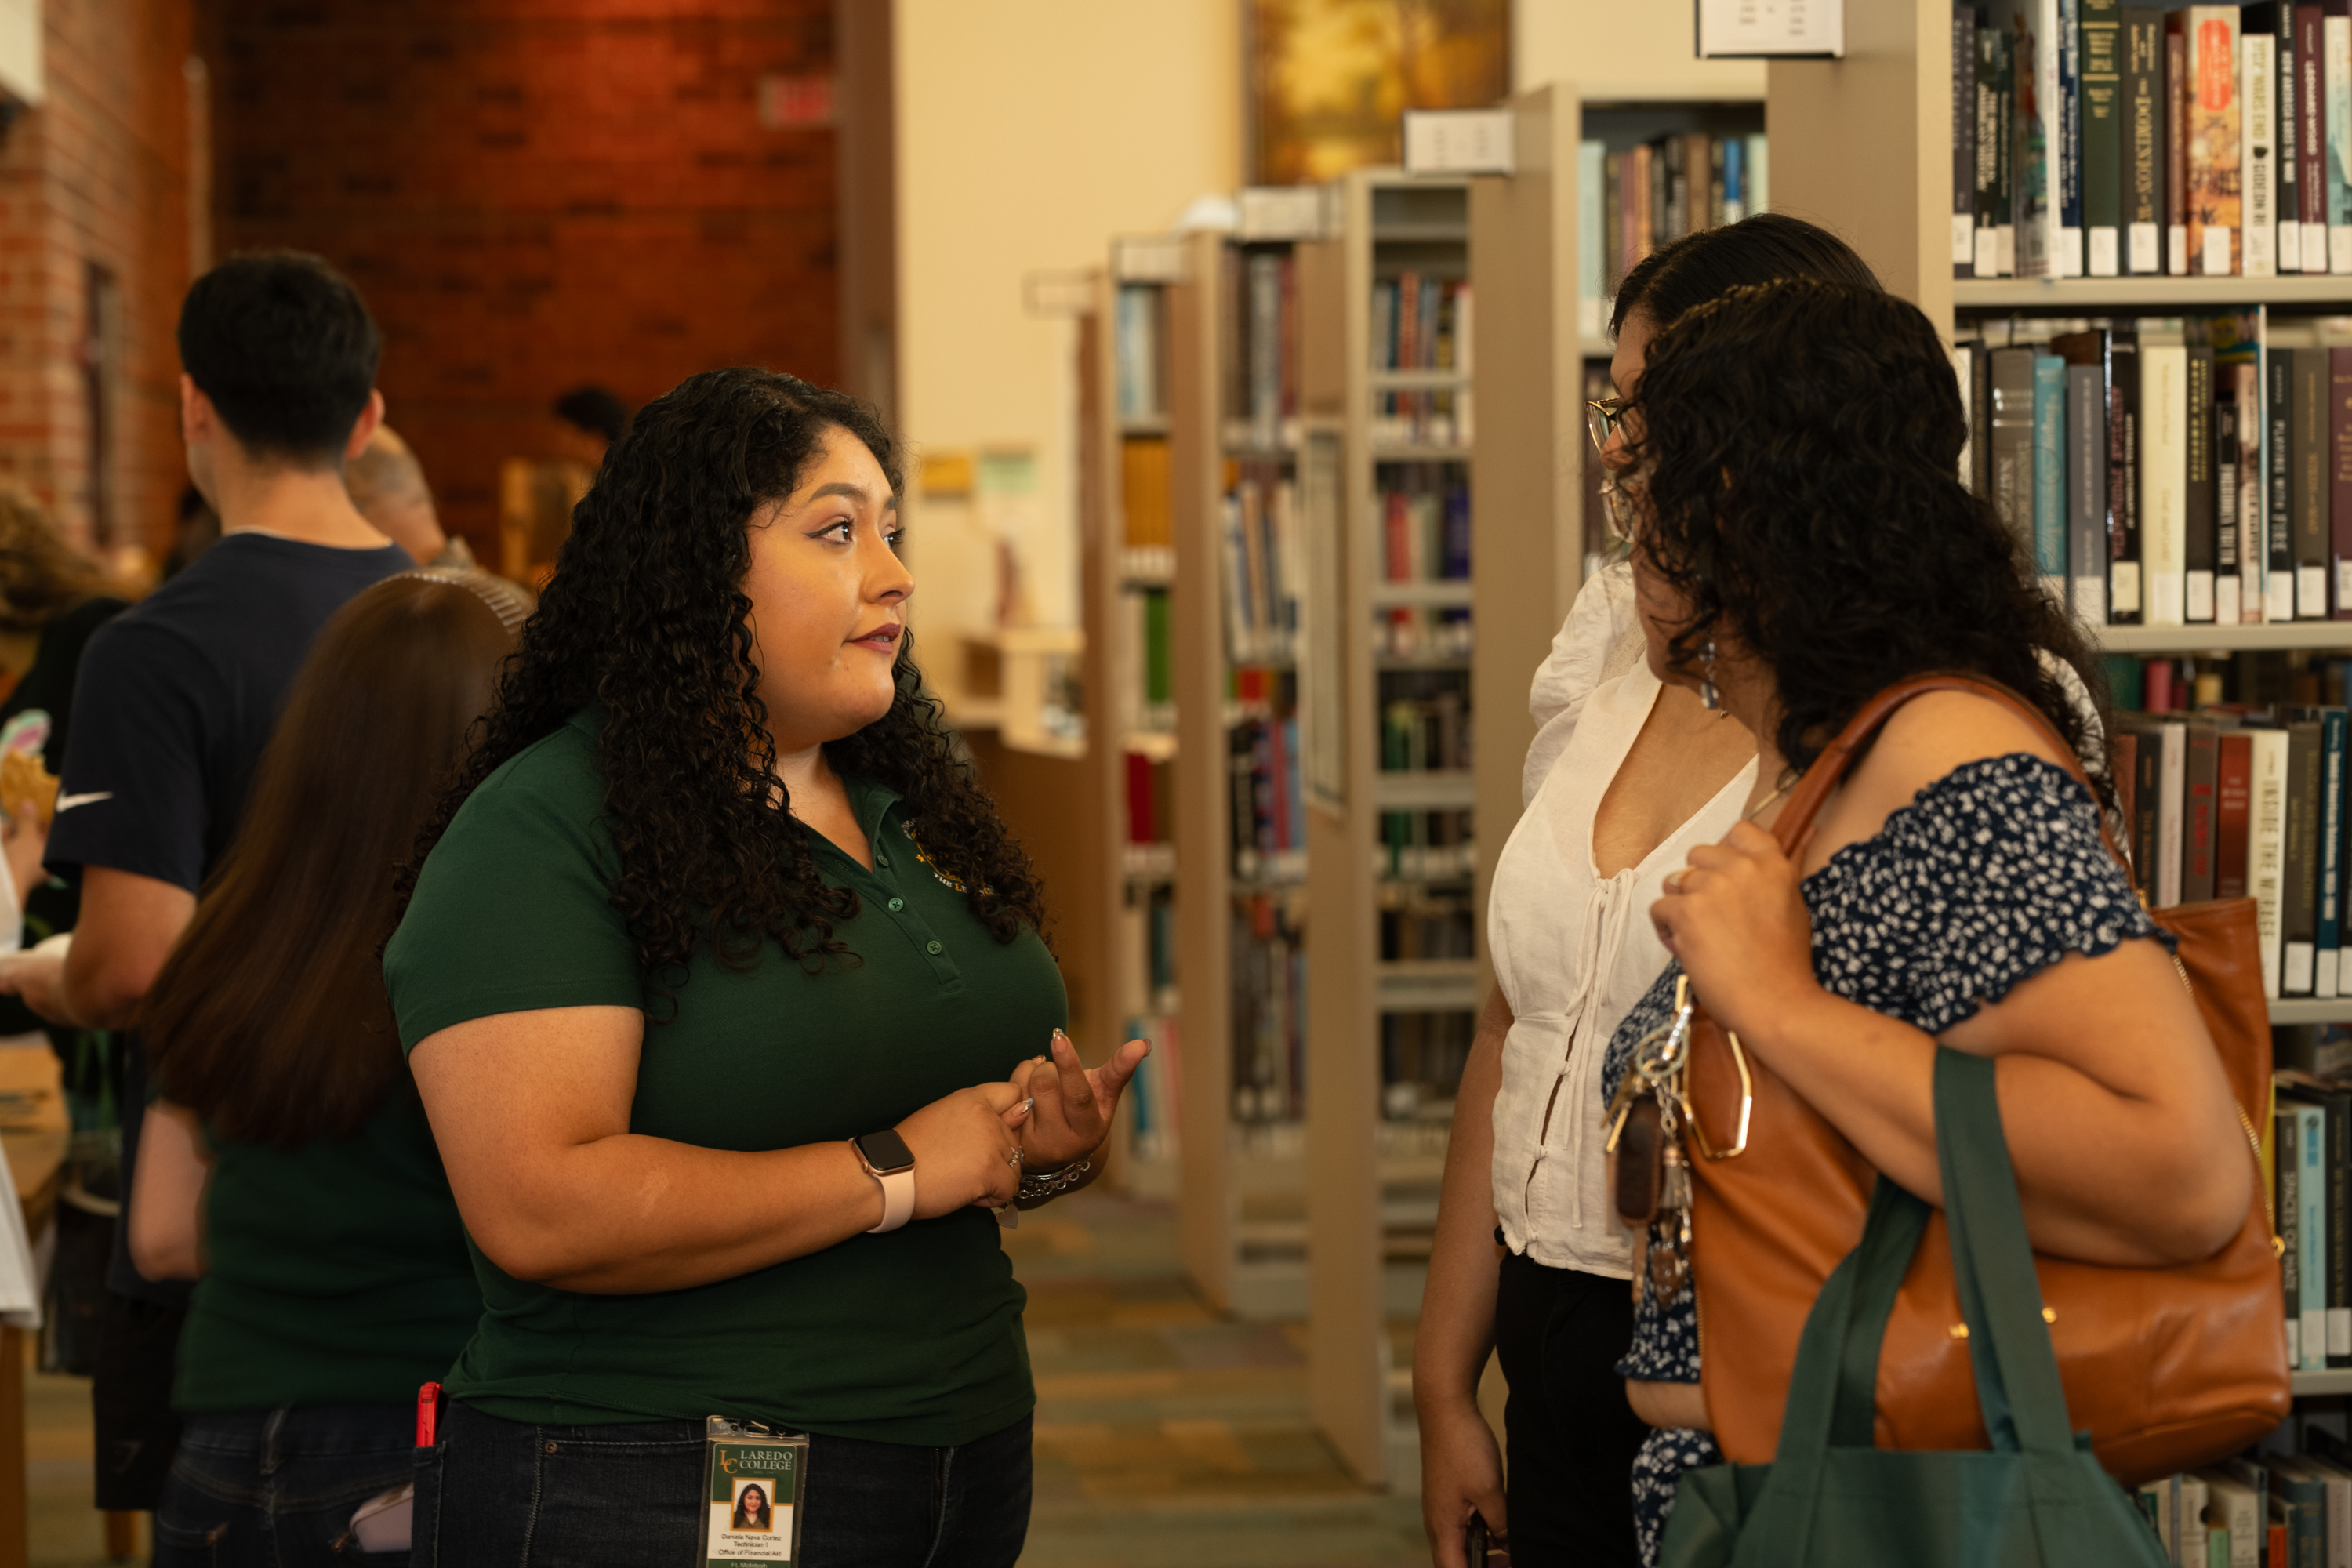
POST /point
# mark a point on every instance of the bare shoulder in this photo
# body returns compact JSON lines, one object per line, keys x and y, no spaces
{"x":1928,"y":738}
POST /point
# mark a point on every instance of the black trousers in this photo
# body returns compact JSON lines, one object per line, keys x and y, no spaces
{"x":1571,"y":1435}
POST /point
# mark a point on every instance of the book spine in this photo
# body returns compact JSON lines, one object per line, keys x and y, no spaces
{"x":2309,"y":456}
{"x":2012,"y":442}
{"x":2123,"y":597}
{"x":2101,"y":117}
{"x":2287,"y":1206}
{"x":2298,"y":900}
{"x":2005,"y":193}
{"x":2288,"y":169}
{"x":2147,"y":794}
{"x":2164,"y":474}
{"x":2339,"y":363}
{"x":2171,"y":812}
{"x":2036,"y":109}
{"x":2050,"y":474}
{"x":2062,"y":116}
{"x":2086,"y":491}
{"x":2267,"y":847}
{"x":2335,"y":48}
{"x":2231,"y":790}
{"x":2213,"y":127}
{"x":2201,"y":549}
{"x":2252,"y":564}
{"x":2143,"y":141}
{"x":2176,"y":148}
{"x":2229,"y":541}
{"x":2258,"y":158}
{"x":2327,"y":874}
{"x":2202,"y":772}
{"x":2339,"y":1271}
{"x":2278,"y":501}
{"x":2311,"y":136}
{"x":1986,"y":139}
{"x":2311,"y":1201}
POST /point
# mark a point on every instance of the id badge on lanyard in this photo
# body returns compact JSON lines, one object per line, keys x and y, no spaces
{"x":755,"y":1478}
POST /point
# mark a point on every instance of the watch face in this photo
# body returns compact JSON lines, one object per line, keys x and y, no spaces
{"x":885,"y":1151}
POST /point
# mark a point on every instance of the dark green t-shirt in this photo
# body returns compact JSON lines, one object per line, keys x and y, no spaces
{"x":337,"y":1272}
{"x":911,"y":1337}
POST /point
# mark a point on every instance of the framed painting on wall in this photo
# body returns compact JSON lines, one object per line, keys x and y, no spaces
{"x":1330,"y":79}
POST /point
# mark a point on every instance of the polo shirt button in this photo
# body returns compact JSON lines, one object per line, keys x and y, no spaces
{"x":883,"y":860}
{"x":897,"y":904}
{"x":932,"y":948}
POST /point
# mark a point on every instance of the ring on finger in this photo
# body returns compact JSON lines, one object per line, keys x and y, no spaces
{"x":1014,"y":1158}
{"x":1675,"y":880}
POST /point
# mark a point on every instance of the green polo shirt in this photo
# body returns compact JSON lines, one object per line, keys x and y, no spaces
{"x":913,"y":1337}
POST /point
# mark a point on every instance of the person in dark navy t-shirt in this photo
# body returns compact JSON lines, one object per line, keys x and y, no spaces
{"x":176,"y":697}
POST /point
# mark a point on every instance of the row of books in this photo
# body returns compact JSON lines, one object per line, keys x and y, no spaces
{"x":1269,"y":1019}
{"x":1268,"y":814}
{"x":2093,"y":136}
{"x":1632,"y":200}
{"x":1147,"y":652}
{"x":2172,"y":471}
{"x":1422,"y":1056}
{"x":1157,"y":1089}
{"x":1427,"y":846}
{"x":1422,"y":322}
{"x":1140,"y":393}
{"x":2258,"y":1510}
{"x":1424,"y":721}
{"x":2234,"y":801}
{"x":1419,"y":924}
{"x":1260,"y":562}
{"x":2312,"y":1203}
{"x":1421,"y":632}
{"x":1425,"y":528}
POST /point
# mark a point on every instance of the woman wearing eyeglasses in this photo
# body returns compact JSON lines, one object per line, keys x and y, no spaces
{"x":1626,"y":775}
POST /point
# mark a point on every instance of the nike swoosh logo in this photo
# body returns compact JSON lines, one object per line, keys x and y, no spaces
{"x":68,"y":802}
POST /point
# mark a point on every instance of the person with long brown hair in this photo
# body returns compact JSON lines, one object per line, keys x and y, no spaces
{"x":288,"y":1168}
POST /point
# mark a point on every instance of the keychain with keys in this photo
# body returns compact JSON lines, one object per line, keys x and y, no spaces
{"x":1646,"y":1118}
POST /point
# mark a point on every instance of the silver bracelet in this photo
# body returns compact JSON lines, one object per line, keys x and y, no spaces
{"x":1052,"y":1184}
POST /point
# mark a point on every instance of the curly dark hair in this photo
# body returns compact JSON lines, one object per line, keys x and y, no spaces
{"x":645,"y":617}
{"x":1704,"y":265}
{"x":1799,"y":453}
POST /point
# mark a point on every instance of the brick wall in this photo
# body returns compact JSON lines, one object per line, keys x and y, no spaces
{"x":534,"y":193}
{"x":99,"y":173}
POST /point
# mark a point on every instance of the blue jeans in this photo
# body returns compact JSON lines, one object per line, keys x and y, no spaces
{"x":507,"y":1494}
{"x":271,"y":1489}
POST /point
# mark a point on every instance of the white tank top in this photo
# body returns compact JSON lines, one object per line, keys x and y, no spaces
{"x":1573,"y":949}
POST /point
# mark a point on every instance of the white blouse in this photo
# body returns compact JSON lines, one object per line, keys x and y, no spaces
{"x":1573,"y":949}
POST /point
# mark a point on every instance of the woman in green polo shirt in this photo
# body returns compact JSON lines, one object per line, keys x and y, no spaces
{"x":722,"y":986}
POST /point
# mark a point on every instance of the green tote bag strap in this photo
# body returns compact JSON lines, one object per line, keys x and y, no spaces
{"x":1993,"y":1261}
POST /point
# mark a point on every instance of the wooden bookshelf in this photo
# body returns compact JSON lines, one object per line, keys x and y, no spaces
{"x":2277,"y":636}
{"x":2100,"y":296}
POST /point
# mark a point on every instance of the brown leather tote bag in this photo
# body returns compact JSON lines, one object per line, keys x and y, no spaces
{"x":2167,"y":1368}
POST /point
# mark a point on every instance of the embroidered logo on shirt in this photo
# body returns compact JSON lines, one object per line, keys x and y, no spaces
{"x":924,"y":856}
{"x":68,"y":802}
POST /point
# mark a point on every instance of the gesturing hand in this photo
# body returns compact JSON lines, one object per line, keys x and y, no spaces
{"x":1736,"y":920}
{"x":964,"y":1146}
{"x":1073,"y":1103}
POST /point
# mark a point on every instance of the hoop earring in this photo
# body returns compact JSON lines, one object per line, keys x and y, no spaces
{"x":1707,"y":694}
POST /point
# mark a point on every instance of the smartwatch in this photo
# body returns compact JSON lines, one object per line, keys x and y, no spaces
{"x":889,"y":1161}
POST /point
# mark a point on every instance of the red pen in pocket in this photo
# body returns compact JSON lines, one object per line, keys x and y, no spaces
{"x":428,"y":1415}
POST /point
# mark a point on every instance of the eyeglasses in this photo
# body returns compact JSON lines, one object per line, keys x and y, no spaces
{"x":1600,"y":419}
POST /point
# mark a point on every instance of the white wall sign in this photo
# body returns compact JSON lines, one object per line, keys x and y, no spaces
{"x":1457,"y":141}
{"x":1734,"y":30}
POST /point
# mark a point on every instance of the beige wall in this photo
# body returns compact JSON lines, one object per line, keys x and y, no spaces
{"x":1029,"y":134}
{"x":1621,"y":49}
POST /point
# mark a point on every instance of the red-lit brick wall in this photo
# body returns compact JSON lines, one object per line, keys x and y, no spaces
{"x":535,"y":194}
{"x":98,"y":174}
